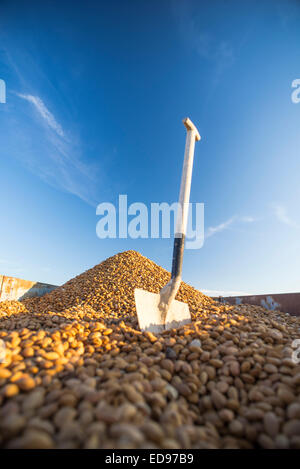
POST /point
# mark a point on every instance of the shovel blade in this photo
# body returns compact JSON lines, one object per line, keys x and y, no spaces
{"x":149,"y":315}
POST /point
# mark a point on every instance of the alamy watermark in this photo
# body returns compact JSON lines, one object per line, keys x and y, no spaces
{"x":2,"y":91}
{"x":295,"y":96}
{"x":154,"y":223}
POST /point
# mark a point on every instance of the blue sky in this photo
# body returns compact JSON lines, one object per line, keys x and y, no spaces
{"x":96,"y":93}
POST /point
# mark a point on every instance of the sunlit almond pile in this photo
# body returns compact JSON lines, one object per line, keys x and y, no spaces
{"x":76,"y":371}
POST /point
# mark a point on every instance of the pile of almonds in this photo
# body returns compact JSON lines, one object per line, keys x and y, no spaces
{"x":78,"y":373}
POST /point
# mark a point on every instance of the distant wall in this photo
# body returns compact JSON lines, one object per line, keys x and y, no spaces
{"x":12,"y":288}
{"x":285,"y":302}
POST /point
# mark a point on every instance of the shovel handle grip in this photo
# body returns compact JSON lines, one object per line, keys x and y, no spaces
{"x":177,"y":260}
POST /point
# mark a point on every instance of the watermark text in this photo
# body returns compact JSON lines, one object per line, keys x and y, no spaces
{"x":161,"y":221}
{"x":2,"y":91}
{"x":295,"y":96}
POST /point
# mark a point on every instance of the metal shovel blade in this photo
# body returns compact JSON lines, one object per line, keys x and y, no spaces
{"x":149,"y":315}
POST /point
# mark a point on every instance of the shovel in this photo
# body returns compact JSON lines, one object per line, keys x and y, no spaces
{"x":158,"y":312}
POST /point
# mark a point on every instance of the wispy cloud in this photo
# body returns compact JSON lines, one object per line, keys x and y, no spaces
{"x":248,"y":219}
{"x":46,"y":146}
{"x":282,"y":215}
{"x":44,"y":112}
{"x":219,"y":53}
{"x":224,"y":57}
{"x":10,"y":268}
{"x":288,"y":11}
{"x":194,"y":30}
{"x":58,"y":162}
{"x":212,"y":230}
{"x":7,"y":262}
{"x":224,"y":293}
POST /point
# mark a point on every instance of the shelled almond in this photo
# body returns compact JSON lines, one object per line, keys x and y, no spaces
{"x":78,"y":372}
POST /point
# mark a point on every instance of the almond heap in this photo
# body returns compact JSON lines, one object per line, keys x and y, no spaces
{"x":76,"y":371}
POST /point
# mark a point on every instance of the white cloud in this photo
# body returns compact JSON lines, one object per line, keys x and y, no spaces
{"x":212,"y":230}
{"x":248,"y":219}
{"x":197,"y":35}
{"x":58,"y":162}
{"x":44,"y":112}
{"x":54,"y":156}
{"x":10,"y":268}
{"x":288,"y":12}
{"x":283,"y":217}
{"x":223,"y":293}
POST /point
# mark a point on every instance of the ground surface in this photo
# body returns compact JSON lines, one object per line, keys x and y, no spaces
{"x":78,"y":372}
